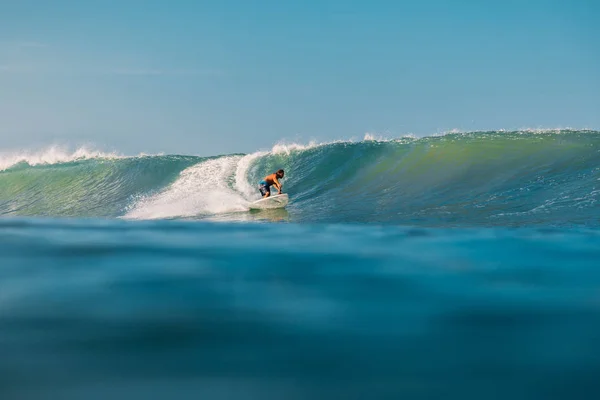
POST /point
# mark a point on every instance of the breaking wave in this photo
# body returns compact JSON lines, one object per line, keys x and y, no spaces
{"x":458,"y":179}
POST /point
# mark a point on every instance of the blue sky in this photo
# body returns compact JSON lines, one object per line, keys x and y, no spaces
{"x":200,"y":77}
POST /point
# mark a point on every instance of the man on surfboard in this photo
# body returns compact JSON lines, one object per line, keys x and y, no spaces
{"x":264,"y":186}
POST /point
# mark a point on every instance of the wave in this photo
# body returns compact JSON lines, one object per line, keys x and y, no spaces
{"x":51,"y":155}
{"x":456,"y":179}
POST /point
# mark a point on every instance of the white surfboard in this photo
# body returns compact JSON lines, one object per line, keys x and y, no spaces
{"x":271,"y":202}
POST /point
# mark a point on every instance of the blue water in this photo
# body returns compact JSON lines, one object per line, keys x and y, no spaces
{"x":461,"y":266}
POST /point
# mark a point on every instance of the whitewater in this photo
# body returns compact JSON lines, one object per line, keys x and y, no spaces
{"x":462,"y":265}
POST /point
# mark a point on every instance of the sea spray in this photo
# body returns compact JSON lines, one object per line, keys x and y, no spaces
{"x":202,"y":189}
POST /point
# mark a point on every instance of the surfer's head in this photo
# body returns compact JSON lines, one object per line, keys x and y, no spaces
{"x":280,"y":173}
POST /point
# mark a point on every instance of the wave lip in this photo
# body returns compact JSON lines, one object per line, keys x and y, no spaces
{"x":51,"y":155}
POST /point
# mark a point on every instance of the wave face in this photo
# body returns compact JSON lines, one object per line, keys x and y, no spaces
{"x":460,"y":179}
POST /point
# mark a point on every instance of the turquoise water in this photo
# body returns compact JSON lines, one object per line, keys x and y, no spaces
{"x":462,"y":266}
{"x":473,"y":179}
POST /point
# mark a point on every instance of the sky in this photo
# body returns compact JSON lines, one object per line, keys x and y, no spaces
{"x":218,"y":77}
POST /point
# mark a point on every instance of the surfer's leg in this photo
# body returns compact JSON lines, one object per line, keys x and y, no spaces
{"x":264,"y":191}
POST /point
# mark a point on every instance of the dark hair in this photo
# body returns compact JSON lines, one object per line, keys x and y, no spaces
{"x":280,"y":172}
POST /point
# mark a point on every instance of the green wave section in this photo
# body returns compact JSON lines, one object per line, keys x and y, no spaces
{"x":88,"y":188}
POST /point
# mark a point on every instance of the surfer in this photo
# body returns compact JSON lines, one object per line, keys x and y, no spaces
{"x":264,"y":186}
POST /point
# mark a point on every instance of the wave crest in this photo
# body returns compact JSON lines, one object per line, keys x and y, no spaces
{"x":51,"y":155}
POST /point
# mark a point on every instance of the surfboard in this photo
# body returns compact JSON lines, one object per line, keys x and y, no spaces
{"x":271,"y":202}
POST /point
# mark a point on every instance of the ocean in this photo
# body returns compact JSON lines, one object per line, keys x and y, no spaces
{"x":462,"y":265}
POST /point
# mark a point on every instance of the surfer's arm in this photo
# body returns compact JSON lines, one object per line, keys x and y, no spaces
{"x":277,"y":184}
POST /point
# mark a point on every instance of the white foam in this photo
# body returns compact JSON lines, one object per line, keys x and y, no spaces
{"x":373,"y":137}
{"x":370,"y":137}
{"x":204,"y":188}
{"x":51,"y":155}
{"x":542,"y":131}
{"x":288,"y":148}
{"x":282,"y":148}
{"x":241,"y":175}
{"x":523,"y":130}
